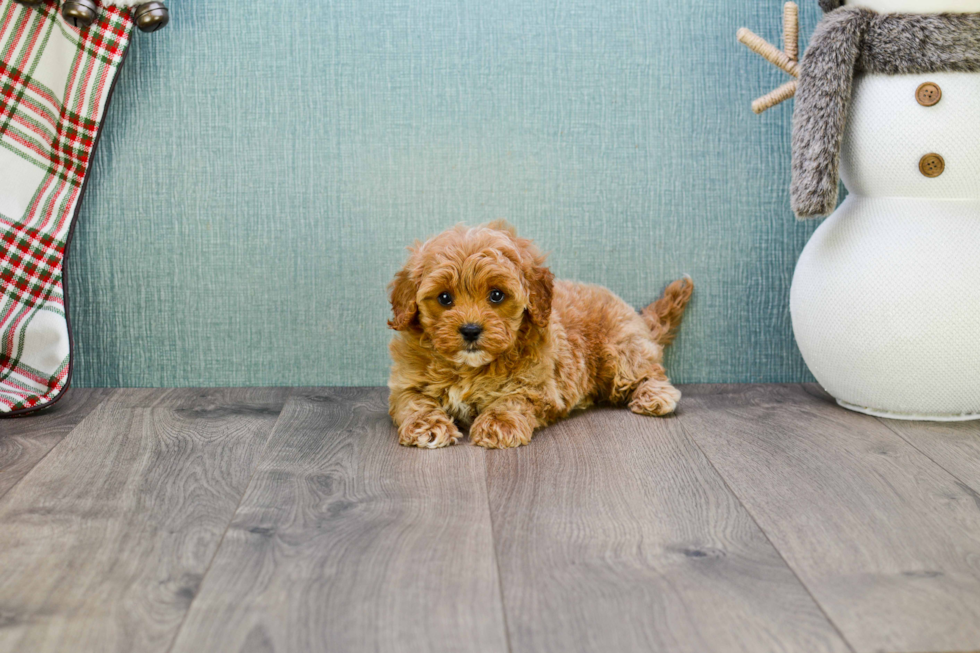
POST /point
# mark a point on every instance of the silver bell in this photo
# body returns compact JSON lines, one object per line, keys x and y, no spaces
{"x":80,"y":13}
{"x":151,"y":16}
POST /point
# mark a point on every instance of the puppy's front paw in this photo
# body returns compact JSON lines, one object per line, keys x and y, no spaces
{"x":428,"y":431}
{"x":655,"y":397}
{"x":501,"y":430}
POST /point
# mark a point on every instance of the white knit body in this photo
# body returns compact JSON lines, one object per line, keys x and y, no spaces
{"x":886,"y":295}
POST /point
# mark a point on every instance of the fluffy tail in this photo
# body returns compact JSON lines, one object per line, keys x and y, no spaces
{"x":664,"y":315}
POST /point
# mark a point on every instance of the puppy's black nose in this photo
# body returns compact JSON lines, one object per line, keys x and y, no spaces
{"x":470,"y":332}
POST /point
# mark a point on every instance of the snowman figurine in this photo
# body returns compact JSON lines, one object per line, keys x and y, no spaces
{"x":885,"y":299}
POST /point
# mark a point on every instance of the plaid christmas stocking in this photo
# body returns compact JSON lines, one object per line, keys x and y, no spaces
{"x":55,"y":82}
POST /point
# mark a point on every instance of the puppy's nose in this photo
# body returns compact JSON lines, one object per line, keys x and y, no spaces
{"x":470,"y":332}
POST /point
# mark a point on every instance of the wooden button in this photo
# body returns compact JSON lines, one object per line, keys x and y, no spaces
{"x":928,"y":94}
{"x":932,"y":165}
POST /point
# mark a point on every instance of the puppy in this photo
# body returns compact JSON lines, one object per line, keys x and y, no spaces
{"x":487,"y":338}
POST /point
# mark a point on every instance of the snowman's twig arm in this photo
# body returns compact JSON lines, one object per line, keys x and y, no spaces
{"x":767,"y":51}
{"x":786,"y":59}
{"x":771,"y":99}
{"x":791,"y":31}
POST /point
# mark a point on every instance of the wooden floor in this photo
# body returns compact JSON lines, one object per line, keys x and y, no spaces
{"x":759,"y":518}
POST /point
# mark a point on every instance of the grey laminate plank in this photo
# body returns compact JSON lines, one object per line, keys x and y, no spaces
{"x":104,"y":543}
{"x":212,"y":402}
{"x":885,"y":540}
{"x":955,"y":446}
{"x":346,"y":541}
{"x":26,"y":440}
{"x":613,"y":533}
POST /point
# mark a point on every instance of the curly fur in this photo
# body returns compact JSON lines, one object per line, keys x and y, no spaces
{"x":856,"y":40}
{"x":548,"y":348}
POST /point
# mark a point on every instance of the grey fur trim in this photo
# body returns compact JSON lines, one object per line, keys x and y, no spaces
{"x":898,"y":44}
{"x":853,"y":40}
{"x":822,"y":99}
{"x":830,"y":5}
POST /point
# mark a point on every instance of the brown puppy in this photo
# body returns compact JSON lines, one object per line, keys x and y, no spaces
{"x":487,"y":337}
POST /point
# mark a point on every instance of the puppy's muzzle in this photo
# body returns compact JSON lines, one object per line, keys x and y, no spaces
{"x":470,"y":332}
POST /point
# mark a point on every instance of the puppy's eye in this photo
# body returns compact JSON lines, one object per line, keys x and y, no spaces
{"x":445,"y":299}
{"x":496,"y":296}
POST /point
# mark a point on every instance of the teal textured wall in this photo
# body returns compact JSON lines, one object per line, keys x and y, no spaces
{"x":262,"y":169}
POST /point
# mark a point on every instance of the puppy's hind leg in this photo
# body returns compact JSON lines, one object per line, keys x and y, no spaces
{"x":641,"y":379}
{"x":655,"y":395}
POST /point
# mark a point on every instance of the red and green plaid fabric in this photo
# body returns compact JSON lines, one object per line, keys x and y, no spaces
{"x":55,"y":81}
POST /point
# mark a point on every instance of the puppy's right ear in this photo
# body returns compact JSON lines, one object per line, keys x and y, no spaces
{"x":402,"y":293}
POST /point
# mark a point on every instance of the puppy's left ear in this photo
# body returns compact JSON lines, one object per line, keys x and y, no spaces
{"x":540,"y":282}
{"x":537,"y":277}
{"x":402,"y":292}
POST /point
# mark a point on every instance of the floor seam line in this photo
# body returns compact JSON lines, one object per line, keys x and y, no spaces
{"x":924,"y":454}
{"x":755,"y":521}
{"x":496,"y":556}
{"x":58,"y":443}
{"x":231,"y":520}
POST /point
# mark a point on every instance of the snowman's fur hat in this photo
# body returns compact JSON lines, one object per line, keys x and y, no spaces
{"x":852,"y":40}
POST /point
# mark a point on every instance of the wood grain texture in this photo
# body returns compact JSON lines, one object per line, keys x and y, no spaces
{"x":885,"y":540}
{"x":346,"y":541}
{"x":26,"y":440}
{"x":954,"y":446}
{"x":104,"y":544}
{"x":613,"y":533}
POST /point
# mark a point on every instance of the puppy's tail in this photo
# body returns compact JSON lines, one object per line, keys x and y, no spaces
{"x":664,"y":315}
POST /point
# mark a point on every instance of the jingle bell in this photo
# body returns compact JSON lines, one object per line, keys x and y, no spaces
{"x":151,"y":16}
{"x":80,"y":13}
